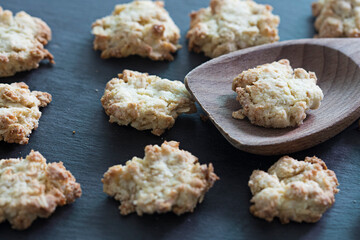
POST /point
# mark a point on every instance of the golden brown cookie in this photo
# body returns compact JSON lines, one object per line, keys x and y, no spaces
{"x":166,"y":179}
{"x":299,"y":191}
{"x":230,"y":25}
{"x":22,"y":40}
{"x":337,"y":18}
{"x":276,"y":95}
{"x":141,"y":28}
{"x":146,"y":101}
{"x":19,"y":111}
{"x":31,"y":188}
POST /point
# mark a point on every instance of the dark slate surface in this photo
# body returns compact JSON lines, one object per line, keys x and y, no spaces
{"x":97,"y":144}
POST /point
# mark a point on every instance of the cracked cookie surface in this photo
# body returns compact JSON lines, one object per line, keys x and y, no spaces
{"x":19,"y":111}
{"x":31,"y":188}
{"x":22,"y":40}
{"x":293,"y":190}
{"x":276,"y":95}
{"x":230,"y":25}
{"x":141,"y":28}
{"x":146,"y":101}
{"x":166,"y":179}
{"x":337,"y":18}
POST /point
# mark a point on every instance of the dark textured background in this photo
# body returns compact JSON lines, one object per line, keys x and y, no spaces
{"x":97,"y":144}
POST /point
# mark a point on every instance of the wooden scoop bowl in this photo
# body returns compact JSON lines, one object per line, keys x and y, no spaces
{"x":336,"y":64}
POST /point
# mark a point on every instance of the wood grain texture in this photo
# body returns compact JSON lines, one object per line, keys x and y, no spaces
{"x":336,"y":64}
{"x":97,"y":144}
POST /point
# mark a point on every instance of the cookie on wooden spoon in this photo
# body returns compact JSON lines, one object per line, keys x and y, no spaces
{"x":336,"y":64}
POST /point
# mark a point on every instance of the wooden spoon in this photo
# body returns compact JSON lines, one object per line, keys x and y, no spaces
{"x":336,"y":64}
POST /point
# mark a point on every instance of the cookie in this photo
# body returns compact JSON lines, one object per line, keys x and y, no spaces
{"x":31,"y":188}
{"x":19,"y":111}
{"x":276,"y":95}
{"x":146,"y":101}
{"x":141,"y":28}
{"x":230,"y":25}
{"x":292,"y":190}
{"x":166,"y":179}
{"x":22,"y":40}
{"x":337,"y":18}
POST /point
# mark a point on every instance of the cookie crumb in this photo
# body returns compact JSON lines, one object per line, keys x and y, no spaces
{"x":204,"y":117}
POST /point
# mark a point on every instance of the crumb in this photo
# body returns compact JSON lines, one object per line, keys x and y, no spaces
{"x":204,"y":117}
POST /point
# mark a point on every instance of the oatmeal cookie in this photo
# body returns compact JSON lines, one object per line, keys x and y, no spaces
{"x":31,"y":188}
{"x":274,"y":95}
{"x":293,"y":190}
{"x":167,"y":179}
{"x":19,"y":111}
{"x":146,"y":102}
{"x":337,"y":18}
{"x":138,"y":28}
{"x":22,"y":40}
{"x":230,"y":25}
